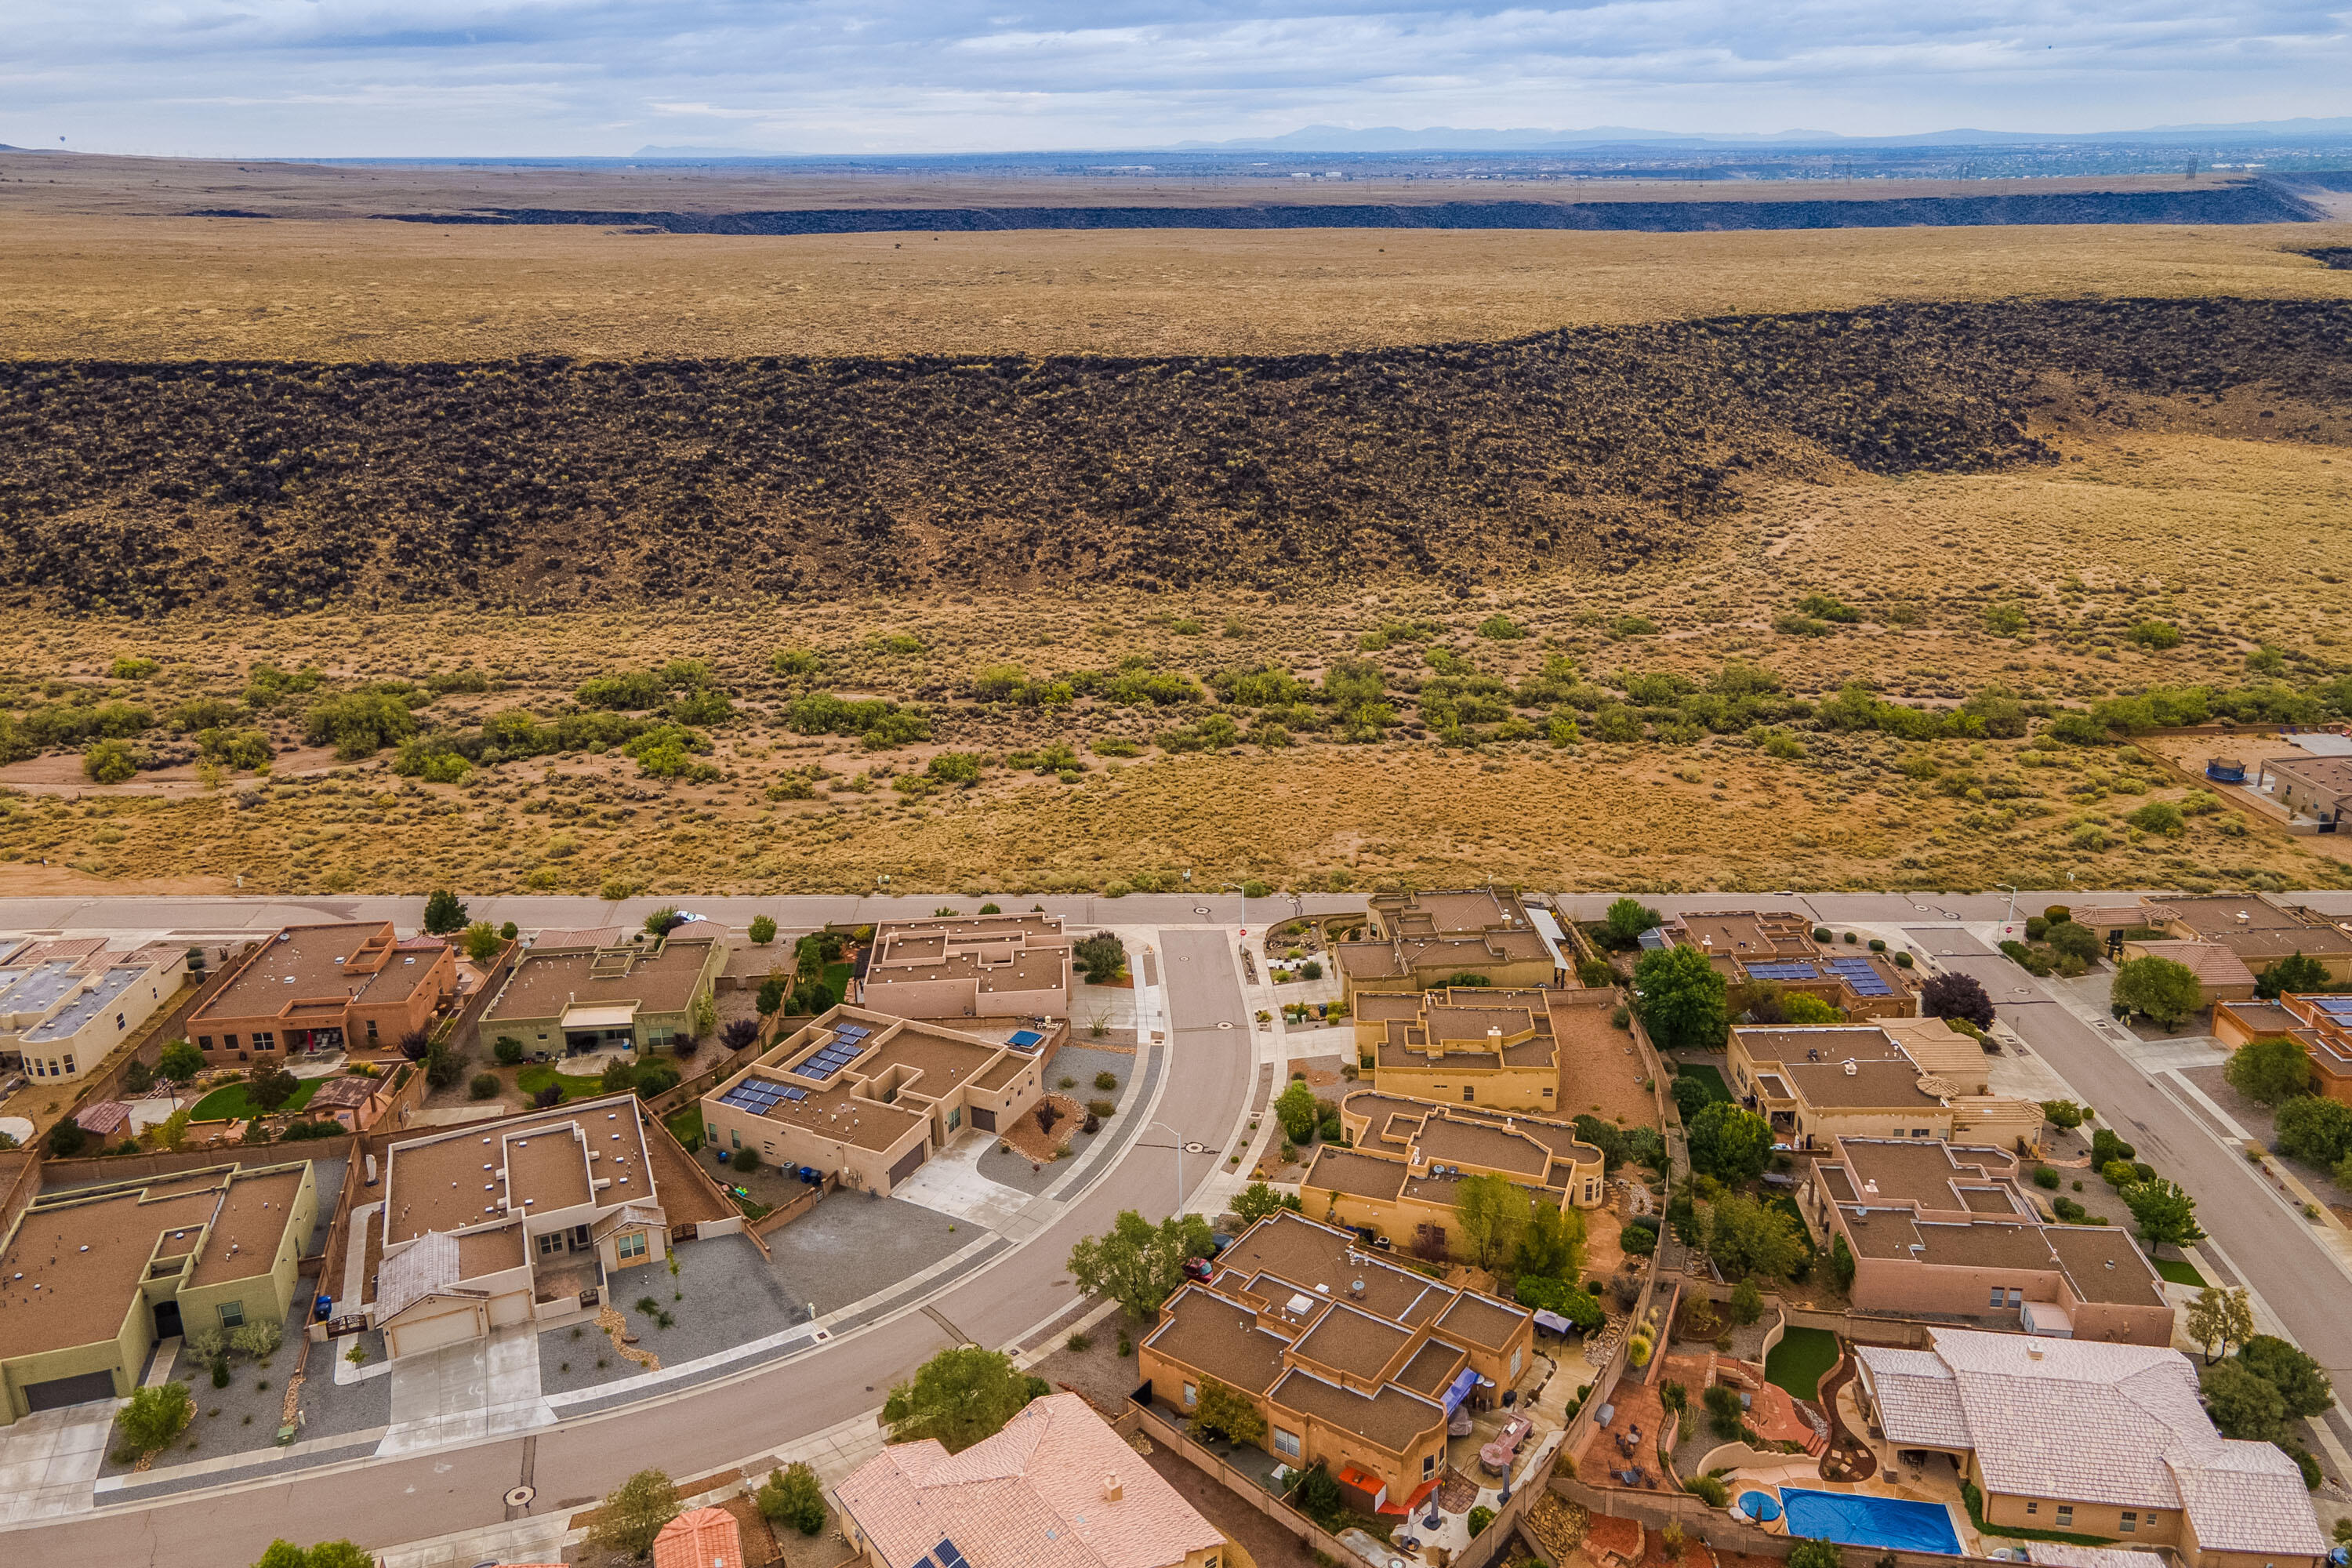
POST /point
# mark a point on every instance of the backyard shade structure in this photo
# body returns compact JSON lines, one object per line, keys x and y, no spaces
{"x":103,"y":1117}
{"x":700,"y":1538}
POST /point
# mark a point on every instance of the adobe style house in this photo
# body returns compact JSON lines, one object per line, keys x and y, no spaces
{"x":1401,"y":1178}
{"x":1355,"y":1363}
{"x":573,"y":993}
{"x":310,"y":989}
{"x":2105,"y":1440}
{"x":91,"y":1279}
{"x":1892,"y":1079}
{"x":1055,"y":1487}
{"x":2320,"y":1023}
{"x":2316,"y":788}
{"x":1414,"y":943}
{"x":66,"y":1005}
{"x":1949,"y":1231}
{"x":981,"y":966}
{"x":2258,"y":928}
{"x":1776,"y":946}
{"x":496,"y":1223}
{"x":1469,"y":1045}
{"x":869,"y":1097}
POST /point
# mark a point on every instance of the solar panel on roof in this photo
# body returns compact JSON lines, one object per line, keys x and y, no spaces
{"x":1782,"y":970}
{"x":1858,"y":973}
{"x":795,"y":1095}
{"x":948,"y":1556}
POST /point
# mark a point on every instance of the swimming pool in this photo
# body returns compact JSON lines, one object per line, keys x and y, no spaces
{"x":1858,"y":1521}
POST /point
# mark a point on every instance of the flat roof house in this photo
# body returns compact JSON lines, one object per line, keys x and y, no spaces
{"x":1892,"y":1079}
{"x":504,"y":1222}
{"x":2258,"y":928}
{"x":1777,"y":947}
{"x":90,"y":1280}
{"x":1417,"y":942}
{"x":1056,"y":1489}
{"x":351,"y":985}
{"x":2320,"y":788}
{"x":981,"y":966}
{"x":567,"y":996}
{"x":868,"y":1096}
{"x":2320,"y":1023}
{"x":1948,"y":1230}
{"x":65,"y":1005}
{"x":1410,"y":1156}
{"x":1355,"y":1362}
{"x":2094,"y":1440}
{"x":1474,"y":1044}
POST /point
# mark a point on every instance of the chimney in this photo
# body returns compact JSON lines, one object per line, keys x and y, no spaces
{"x":1112,"y":1490}
{"x":2033,"y":1351}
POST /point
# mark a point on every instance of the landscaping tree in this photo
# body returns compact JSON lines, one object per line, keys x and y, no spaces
{"x":1725,"y":1416}
{"x":1298,"y":1112}
{"x":1626,"y":920}
{"x":1841,"y":1263}
{"x":762,"y":931}
{"x":443,"y":913}
{"x":702,"y":1015}
{"x":2296,"y":973}
{"x":154,"y":1418}
{"x":959,"y":1398}
{"x":664,"y":921}
{"x":1492,"y":1213}
{"x":772,"y":991}
{"x":1219,"y":1412}
{"x":1955,"y":996}
{"x":1682,"y":998}
{"x":443,"y":1067}
{"x":483,"y":942}
{"x":1816,"y":1554}
{"x":416,"y":1045}
{"x":2297,"y":1377}
{"x":1746,"y":1302}
{"x":2166,"y":1213}
{"x":1728,"y":1144}
{"x":138,"y":1077}
{"x":181,"y":1062}
{"x":66,"y":1140}
{"x":738,"y":1033}
{"x":1801,"y":1007}
{"x":1552,"y":1246}
{"x":325,"y":1555}
{"x":2062,"y":1113}
{"x":1746,"y":1237}
{"x":2243,"y":1404}
{"x":2158,"y":988}
{"x":2270,"y":1070}
{"x":269,"y":1085}
{"x":1257,"y":1200}
{"x":2068,"y":940}
{"x":1101,"y":957}
{"x":632,"y":1514}
{"x":793,"y":1495}
{"x":1138,"y":1264}
{"x":2218,"y":1319}
{"x":2314,"y":1130}
{"x":510,"y":930}
{"x":1689,"y":1096}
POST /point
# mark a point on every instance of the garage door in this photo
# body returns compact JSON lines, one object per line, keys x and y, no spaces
{"x":983,"y":1120}
{"x":417,"y":1335}
{"x":63,"y":1391}
{"x":907,"y":1166}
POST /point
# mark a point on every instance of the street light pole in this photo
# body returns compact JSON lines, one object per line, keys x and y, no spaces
{"x":1177,"y":1142}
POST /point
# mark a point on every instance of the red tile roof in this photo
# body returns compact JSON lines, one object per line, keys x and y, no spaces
{"x":700,"y":1538}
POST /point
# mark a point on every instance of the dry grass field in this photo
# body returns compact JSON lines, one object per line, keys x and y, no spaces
{"x":2218,"y":511}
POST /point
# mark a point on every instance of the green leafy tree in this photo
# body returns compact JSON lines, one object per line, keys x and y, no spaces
{"x":2286,"y":1367}
{"x":1221,"y":1412}
{"x":1682,"y":998}
{"x":1492,"y":1214}
{"x":1841,"y":1263}
{"x":2218,"y":1319}
{"x":633,"y":1512}
{"x":1746,"y":1302}
{"x":2159,"y":988}
{"x":1725,"y":1416}
{"x":1256,"y":1201}
{"x":2166,"y":1215}
{"x":1746,"y":1237}
{"x":154,"y":1418}
{"x":325,"y":1555}
{"x":483,"y":942}
{"x":1728,"y":1144}
{"x":2289,"y":976}
{"x":2243,"y":1404}
{"x":959,"y":1398}
{"x":1690,"y":1097}
{"x":2315,"y":1130}
{"x":770,"y":999}
{"x":1297,"y":1110}
{"x":1100,"y":958}
{"x":762,"y":931}
{"x":181,"y":1062}
{"x":793,"y":1495}
{"x":108,"y":762}
{"x":2071,"y":941}
{"x":2271,"y":1071}
{"x":1627,"y":919}
{"x":445,"y":913}
{"x":1803,"y":1007}
{"x":1138,"y":1264}
{"x":66,"y":1140}
{"x":1553,"y":1245}
{"x":269,"y":1085}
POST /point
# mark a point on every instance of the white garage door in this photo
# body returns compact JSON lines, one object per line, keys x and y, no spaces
{"x":416,"y":1335}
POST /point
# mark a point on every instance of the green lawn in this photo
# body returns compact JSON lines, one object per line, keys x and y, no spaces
{"x":1707,"y":1077}
{"x":2180,"y":1271}
{"x":836,"y":980}
{"x":684,"y":1124}
{"x":1801,"y":1359}
{"x":229,"y":1103}
{"x":531,"y":1079}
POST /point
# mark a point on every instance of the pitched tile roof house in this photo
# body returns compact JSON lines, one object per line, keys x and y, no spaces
{"x":2094,"y":1440}
{"x":1355,"y":1361}
{"x":700,"y":1538}
{"x":1056,"y":1489}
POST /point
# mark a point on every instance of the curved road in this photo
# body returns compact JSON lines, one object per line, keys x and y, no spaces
{"x":699,"y":1431}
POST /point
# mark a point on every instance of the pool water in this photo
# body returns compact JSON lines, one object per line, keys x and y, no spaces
{"x":1858,"y":1521}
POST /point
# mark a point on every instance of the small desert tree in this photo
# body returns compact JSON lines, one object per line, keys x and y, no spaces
{"x":2166,"y":1213}
{"x":1816,"y":1554}
{"x":1138,"y":1264}
{"x":1626,"y":920}
{"x":793,"y":1496}
{"x":483,"y":942}
{"x":762,"y":931}
{"x":960,"y":1397}
{"x":633,"y":1512}
{"x":2159,"y":989}
{"x":1257,"y":1200}
{"x":444,"y":913}
{"x":1221,"y":1412}
{"x":152,"y":1418}
{"x":181,"y":1062}
{"x":2218,"y":1319}
{"x":2270,"y":1070}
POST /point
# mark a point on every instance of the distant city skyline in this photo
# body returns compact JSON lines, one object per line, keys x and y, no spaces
{"x":587,"y":77}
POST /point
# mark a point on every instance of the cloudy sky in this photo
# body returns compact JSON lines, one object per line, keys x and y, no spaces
{"x":351,"y":78}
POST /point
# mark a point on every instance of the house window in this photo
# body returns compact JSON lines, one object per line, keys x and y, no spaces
{"x":2130,"y":1522}
{"x":1919,"y":1133}
{"x":232,"y":1314}
{"x":2065,"y":1514}
{"x":1996,"y":1296}
{"x":40,"y":1068}
{"x":69,"y":1066}
{"x":734,"y":1139}
{"x":1469,"y":1094}
{"x":2016,"y":1297}
{"x":710,"y":1133}
{"x":371,"y":1038}
{"x":1192,"y":1394}
{"x":229,"y":1040}
{"x":1428,"y":1465}
{"x":265,"y":1041}
{"x":118,"y":1020}
{"x":955,"y":1118}
{"x":1515,"y":1361}
{"x":1285,"y":1442}
{"x":203,"y":1042}
{"x":633,"y":1246}
{"x":2031,"y":1507}
{"x":550,"y":1243}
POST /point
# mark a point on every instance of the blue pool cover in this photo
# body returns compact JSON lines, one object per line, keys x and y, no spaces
{"x":1859,"y":1521}
{"x":1760,"y":1505}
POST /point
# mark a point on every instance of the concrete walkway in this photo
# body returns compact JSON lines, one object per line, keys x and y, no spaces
{"x":467,"y":1392}
{"x":52,"y":1461}
{"x":950,"y":1183}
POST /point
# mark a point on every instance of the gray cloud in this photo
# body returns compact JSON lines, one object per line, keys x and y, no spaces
{"x":437,"y":77}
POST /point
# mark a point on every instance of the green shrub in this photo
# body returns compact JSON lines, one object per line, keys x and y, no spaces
{"x":485,"y":1086}
{"x":793,"y":1496}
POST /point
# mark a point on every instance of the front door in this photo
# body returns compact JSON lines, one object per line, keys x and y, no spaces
{"x":167,"y":1320}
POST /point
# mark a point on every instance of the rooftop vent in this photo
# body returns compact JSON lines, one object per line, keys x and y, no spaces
{"x":1850,"y":1068}
{"x":1112,"y":1490}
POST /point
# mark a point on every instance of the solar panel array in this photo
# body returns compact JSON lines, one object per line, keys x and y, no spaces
{"x":849,"y":1041}
{"x":1865,"y":980}
{"x":1783,"y":972}
{"x":759,"y":1096}
{"x":2338,"y":1006}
